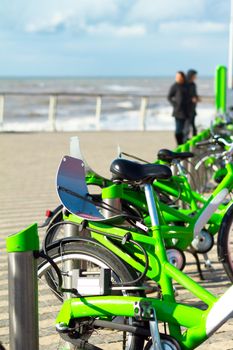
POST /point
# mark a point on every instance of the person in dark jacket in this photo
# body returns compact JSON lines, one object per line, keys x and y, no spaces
{"x":193,"y":99}
{"x":177,"y":96}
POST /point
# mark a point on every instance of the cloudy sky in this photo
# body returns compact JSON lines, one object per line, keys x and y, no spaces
{"x":112,"y":37}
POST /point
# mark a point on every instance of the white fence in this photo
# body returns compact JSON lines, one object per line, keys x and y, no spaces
{"x":143,"y":102}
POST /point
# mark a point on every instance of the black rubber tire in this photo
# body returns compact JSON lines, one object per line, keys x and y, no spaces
{"x":120,"y":270}
{"x":52,"y":229}
{"x":225,"y":243}
{"x":55,"y":232}
{"x":165,"y":339}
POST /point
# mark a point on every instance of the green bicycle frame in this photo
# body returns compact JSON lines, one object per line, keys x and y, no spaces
{"x":125,"y":243}
{"x":168,"y":214}
{"x":161,"y":271}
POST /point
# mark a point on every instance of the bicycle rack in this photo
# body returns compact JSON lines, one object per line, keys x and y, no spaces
{"x":22,"y":250}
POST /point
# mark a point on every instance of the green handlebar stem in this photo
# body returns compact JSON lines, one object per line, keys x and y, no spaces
{"x":114,"y":191}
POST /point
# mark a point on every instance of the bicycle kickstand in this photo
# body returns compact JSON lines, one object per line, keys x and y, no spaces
{"x":207,"y":262}
{"x":197,"y":260}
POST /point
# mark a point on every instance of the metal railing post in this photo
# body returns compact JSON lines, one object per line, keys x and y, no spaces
{"x":23,"y":289}
{"x":53,"y":105}
{"x":1,"y":110}
{"x":98,"y":112}
{"x":52,"y":112}
{"x":143,"y":107}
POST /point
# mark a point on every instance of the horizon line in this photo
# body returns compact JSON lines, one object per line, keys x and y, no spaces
{"x":93,"y":76}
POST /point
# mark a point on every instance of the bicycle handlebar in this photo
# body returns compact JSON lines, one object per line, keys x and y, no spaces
{"x":215,"y":140}
{"x":204,"y":143}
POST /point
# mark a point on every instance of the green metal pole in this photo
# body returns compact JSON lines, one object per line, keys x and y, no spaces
{"x":221,"y":89}
{"x":23,"y":289}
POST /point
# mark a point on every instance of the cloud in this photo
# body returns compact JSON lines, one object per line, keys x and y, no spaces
{"x":155,"y":10}
{"x":196,"y":27}
{"x":123,"y":31}
{"x":55,"y":15}
{"x":60,"y":22}
{"x":97,"y":36}
{"x":57,"y":22}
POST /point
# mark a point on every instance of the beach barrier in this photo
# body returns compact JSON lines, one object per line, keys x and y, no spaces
{"x":141,"y":105}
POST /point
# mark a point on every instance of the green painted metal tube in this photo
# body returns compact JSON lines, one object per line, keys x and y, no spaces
{"x":103,"y":306}
{"x":221,"y":89}
{"x":110,"y":306}
{"x":114,"y":191}
{"x":190,"y":285}
{"x":23,"y":241}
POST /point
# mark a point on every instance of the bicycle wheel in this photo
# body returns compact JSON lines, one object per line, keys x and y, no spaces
{"x":56,"y":232}
{"x":167,"y":342}
{"x":204,"y":170}
{"x":53,"y":232}
{"x":93,"y":258}
{"x":225,"y":243}
{"x":206,"y":166}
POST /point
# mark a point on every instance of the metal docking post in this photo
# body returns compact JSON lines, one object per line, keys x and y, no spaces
{"x":23,"y":289}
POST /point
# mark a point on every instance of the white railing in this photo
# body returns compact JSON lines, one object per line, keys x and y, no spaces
{"x":54,"y":105}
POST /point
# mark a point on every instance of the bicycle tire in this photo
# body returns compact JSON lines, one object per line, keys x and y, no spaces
{"x":225,"y":243}
{"x":76,"y":252}
{"x":51,"y":229}
{"x":55,"y":232}
{"x":205,"y":173}
{"x":167,"y":342}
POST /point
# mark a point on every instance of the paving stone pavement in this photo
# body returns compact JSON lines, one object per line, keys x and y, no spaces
{"x":27,"y":180}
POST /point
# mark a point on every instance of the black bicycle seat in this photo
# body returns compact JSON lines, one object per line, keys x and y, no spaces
{"x":168,"y":156}
{"x":124,"y":169}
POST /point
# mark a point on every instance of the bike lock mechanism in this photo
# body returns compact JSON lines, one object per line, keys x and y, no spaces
{"x":22,"y":251}
{"x":86,"y":283}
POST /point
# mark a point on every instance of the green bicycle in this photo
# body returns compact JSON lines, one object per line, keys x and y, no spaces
{"x":177,"y":224}
{"x":109,"y":267}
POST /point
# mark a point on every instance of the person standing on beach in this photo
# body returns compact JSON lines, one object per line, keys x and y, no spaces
{"x":177,"y":96}
{"x":193,"y":99}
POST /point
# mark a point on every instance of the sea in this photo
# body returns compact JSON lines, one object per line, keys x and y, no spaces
{"x":26,"y":103}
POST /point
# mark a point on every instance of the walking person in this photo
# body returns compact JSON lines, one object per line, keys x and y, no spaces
{"x":177,"y":96}
{"x":193,"y":99}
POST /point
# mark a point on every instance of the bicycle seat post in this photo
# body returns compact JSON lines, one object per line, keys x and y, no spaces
{"x":151,"y":204}
{"x":179,"y":166}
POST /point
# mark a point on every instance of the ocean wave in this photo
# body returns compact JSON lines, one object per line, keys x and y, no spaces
{"x":30,"y":113}
{"x":155,"y":119}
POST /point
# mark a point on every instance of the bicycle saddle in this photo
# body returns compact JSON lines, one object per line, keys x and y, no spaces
{"x":123,"y":169}
{"x":168,"y":156}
